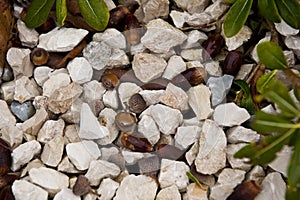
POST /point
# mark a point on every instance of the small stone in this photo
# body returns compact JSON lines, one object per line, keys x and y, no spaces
{"x":71,"y":134}
{"x":11,"y":134}
{"x":192,"y":6}
{"x":290,"y":58}
{"x":153,"y":9}
{"x":55,"y":82}
{"x":212,"y":149}
{"x":292,"y":42}
{"x":229,"y":114}
{"x":282,"y":160}
{"x":81,"y":186}
{"x":110,"y":99}
{"x":169,"y":193}
{"x":82,"y":153}
{"x":112,"y":37}
{"x":53,"y":151}
{"x":66,"y":194}
{"x":186,"y":135}
{"x":174,"y":97}
{"x":191,"y":154}
{"x":118,"y":58}
{"x":151,"y":97}
{"x":199,"y":100}
{"x":175,"y":66}
{"x":24,"y":190}
{"x":49,"y":179}
{"x":25,"y":89}
{"x":107,"y":118}
{"x":195,"y":38}
{"x":66,"y":166}
{"x":7,"y":91}
{"x":273,"y":187}
{"x":41,"y":74}
{"x":28,"y":37}
{"x":126,"y":90}
{"x":128,"y":188}
{"x":284,"y":29}
{"x":254,"y":51}
{"x":179,"y":18}
{"x":257,"y":173}
{"x":107,"y":152}
{"x":194,"y":192}
{"x":61,"y":39}
{"x":51,"y":129}
{"x":100,"y":169}
{"x":236,"y":163}
{"x":213,"y":68}
{"x":6,"y":117}
{"x":149,"y":165}
{"x":107,"y":189}
{"x":240,"y":134}
{"x":219,"y":87}
{"x":36,"y":163}
{"x":244,"y":71}
{"x":72,"y":116}
{"x":173,"y":173}
{"x":148,"y":67}
{"x":148,"y":128}
{"x":80,"y":70}
{"x":236,"y":41}
{"x":131,"y":157}
{"x":192,"y":54}
{"x":161,"y":36}
{"x":24,"y":153}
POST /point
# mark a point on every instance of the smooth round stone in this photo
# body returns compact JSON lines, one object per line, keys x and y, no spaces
{"x":22,"y":111}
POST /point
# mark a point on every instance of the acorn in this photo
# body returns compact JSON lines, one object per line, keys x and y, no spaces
{"x":136,"y":103}
{"x":136,"y":143}
{"x":5,"y":157}
{"x":212,"y":46}
{"x":247,"y":190}
{"x":125,"y":121}
{"x":232,"y":63}
{"x":117,"y":17}
{"x":132,"y":29}
{"x":190,"y":77}
{"x":39,"y":56}
{"x":110,"y":81}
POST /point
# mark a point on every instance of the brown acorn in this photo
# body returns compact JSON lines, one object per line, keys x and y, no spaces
{"x":247,"y":190}
{"x":39,"y":56}
{"x":136,"y":143}
{"x":136,"y":103}
{"x":132,"y":29}
{"x":117,"y":17}
{"x":190,"y":77}
{"x":125,"y":121}
{"x":212,"y":46}
{"x":5,"y":157}
{"x":7,"y":179}
{"x":232,"y":63}
{"x":110,"y":81}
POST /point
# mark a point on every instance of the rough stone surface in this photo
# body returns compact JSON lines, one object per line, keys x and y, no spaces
{"x":107,"y":119}
{"x":151,"y":97}
{"x":24,"y":190}
{"x":174,"y":97}
{"x":175,"y":66}
{"x":152,"y":9}
{"x":186,"y":135}
{"x":284,"y":29}
{"x":25,"y":89}
{"x":41,"y":74}
{"x":55,"y":82}
{"x":22,"y":111}
{"x":110,"y":99}
{"x":72,"y":116}
{"x":66,"y":194}
{"x":51,"y":129}
{"x":36,"y":163}
{"x":107,"y":189}
{"x":6,"y":117}
{"x":149,"y":129}
{"x":80,"y":70}
{"x":112,"y":37}
{"x":238,"y":134}
{"x":191,"y":154}
{"x":28,"y":37}
{"x":71,"y":134}
{"x":292,"y":42}
{"x":169,"y":193}
{"x":53,"y":151}
{"x":192,"y":54}
{"x":213,"y":68}
{"x":192,"y":6}
{"x":257,"y":173}
{"x":179,"y":18}
{"x":212,"y":149}
{"x":195,"y":38}
{"x":126,"y":90}
{"x":236,"y":163}
{"x":194,"y":192}
{"x":66,"y":166}
{"x":236,"y":41}
{"x":7,"y":90}
{"x":282,"y":160}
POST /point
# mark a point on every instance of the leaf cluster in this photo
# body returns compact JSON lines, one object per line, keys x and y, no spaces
{"x":94,"y":12}
{"x":273,"y":10}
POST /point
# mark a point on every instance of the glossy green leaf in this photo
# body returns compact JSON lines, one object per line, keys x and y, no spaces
{"x":269,"y":10}
{"x":236,"y":17}
{"x":265,"y":81}
{"x":61,"y":11}
{"x":246,"y":101}
{"x":95,"y":13}
{"x":230,"y":1}
{"x":38,"y":12}
{"x":294,"y":167}
{"x":289,"y":10}
{"x":292,"y":193}
{"x":271,"y":55}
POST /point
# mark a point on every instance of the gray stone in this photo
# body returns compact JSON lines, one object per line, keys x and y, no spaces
{"x":22,"y":110}
{"x":239,"y":134}
{"x":175,"y":66}
{"x":192,"y":6}
{"x":236,"y":163}
{"x":24,"y":190}
{"x":80,"y":70}
{"x":244,"y":72}
{"x":186,"y":136}
{"x":284,"y":29}
{"x":195,"y":38}
{"x":153,"y":9}
{"x":169,"y":193}
{"x":107,"y":189}
{"x":28,"y":37}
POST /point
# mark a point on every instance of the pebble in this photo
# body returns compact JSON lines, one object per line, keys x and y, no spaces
{"x":126,"y":90}
{"x":61,"y":39}
{"x":80,"y":70}
{"x":257,"y":173}
{"x":194,"y":192}
{"x":110,"y":99}
{"x":112,"y":37}
{"x":28,"y":37}
{"x":93,"y":91}
{"x":239,"y":134}
{"x":25,"y":89}
{"x":53,"y":151}
{"x":282,"y":160}
{"x":24,"y":190}
{"x":219,"y":87}
{"x":169,"y":193}
{"x":6,"y":117}
{"x":175,"y":66}
{"x":100,"y":169}
{"x":290,"y":58}
{"x":284,"y":29}
{"x":41,"y":74}
{"x":66,"y":194}
{"x":292,"y":42}
{"x":237,"y":163}
{"x":71,"y":134}
{"x":73,"y":113}
{"x":199,"y":101}
{"x":8,"y":91}
{"x":192,"y":6}
{"x":82,"y":153}
{"x":186,"y":136}
{"x":22,"y":154}
{"x":127,"y":190}
{"x":179,"y":18}
{"x":192,"y":54}
{"x":173,"y":173}
{"x":236,"y":41}
{"x":36,"y":163}
{"x":11,"y":134}
{"x":66,"y":166}
{"x":50,"y":130}
{"x":107,"y":118}
{"x":161,"y":36}
{"x":49,"y":179}
{"x":107,"y":189}
{"x":212,"y":149}
{"x":191,"y":154}
{"x":195,"y":38}
{"x":245,"y":71}
{"x":229,"y":114}
{"x":55,"y":82}
{"x":118,"y":58}
{"x":149,"y":129}
{"x":151,"y":97}
{"x":213,"y":68}
{"x":153,"y":9}
{"x":131,"y":157}
{"x":147,"y":66}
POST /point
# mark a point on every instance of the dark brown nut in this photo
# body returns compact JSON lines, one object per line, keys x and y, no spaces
{"x":5,"y":157}
{"x":136,"y":103}
{"x":125,"y":121}
{"x":7,"y":179}
{"x":170,"y":152}
{"x":82,"y":186}
{"x":6,"y":193}
{"x":190,"y":77}
{"x":39,"y":56}
{"x":247,"y":190}
{"x":136,"y":143}
{"x":132,"y":29}
{"x":212,"y":46}
{"x":116,"y":71}
{"x":117,"y":17}
{"x":110,"y":81}
{"x":232,"y":63}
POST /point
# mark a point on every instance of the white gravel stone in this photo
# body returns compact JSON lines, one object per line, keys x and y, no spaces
{"x":66,"y":194}
{"x":192,"y":54}
{"x":282,"y":160}
{"x":199,"y":101}
{"x":53,"y":181}
{"x":112,"y":37}
{"x":28,"y":37}
{"x":173,"y":173}
{"x":292,"y":42}
{"x":236,"y":41}
{"x":7,"y":90}
{"x":132,"y":157}
{"x":118,"y":58}
{"x":273,"y":187}
{"x":153,"y":9}
{"x":126,"y":90}
{"x":11,"y":134}
{"x":51,"y":129}
{"x":244,"y":72}
{"x":6,"y":117}
{"x":161,"y":36}
{"x":55,"y":82}
{"x":107,"y":189}
{"x":82,"y":153}
{"x":194,"y":192}
{"x":93,"y":91}
{"x":71,"y":134}
{"x":169,"y":193}
{"x":66,"y":166}
{"x":19,"y":60}
{"x":179,"y":18}
{"x":100,"y":169}
{"x":36,"y":163}
{"x":257,"y":173}
{"x":72,"y":116}
{"x":284,"y":29}
{"x":175,"y":66}
{"x":80,"y":70}
{"x":61,"y":39}
{"x":192,"y":6}
{"x":254,"y":52}
{"x":110,"y":99}
{"x":290,"y":58}
{"x":25,"y":89}
{"x":128,"y":188}
{"x":191,"y":154}
{"x":24,"y":153}
{"x":186,"y":135}
{"x":151,"y":97}
{"x":53,"y":151}
{"x":107,"y":152}
{"x":229,"y":114}
{"x":148,"y":128}
{"x":147,"y":66}
{"x":236,"y":163}
{"x":41,"y":74}
{"x":24,"y":190}
{"x":107,"y":119}
{"x":212,"y":149}
{"x":195,"y":38}
{"x":213,"y":68}
{"x":239,"y":134}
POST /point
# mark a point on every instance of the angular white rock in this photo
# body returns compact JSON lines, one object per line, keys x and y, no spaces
{"x":82,"y":153}
{"x":186,"y":135}
{"x":24,"y":190}
{"x":148,"y":67}
{"x":179,"y":18}
{"x":236,"y":163}
{"x":6,"y":117}
{"x":191,"y":155}
{"x":244,"y":72}
{"x":199,"y":100}
{"x":61,"y":39}
{"x":169,"y":193}
{"x":51,"y":129}
{"x":72,"y":116}
{"x":71,"y":134}
{"x":292,"y":42}
{"x":256,"y":174}
{"x":24,"y":153}
{"x":229,"y":114}
{"x":128,"y":188}
{"x":175,"y":97}
{"x":192,"y":54}
{"x":212,"y":149}
{"x":132,"y":157}
{"x":213,"y":68}
{"x":173,"y":173}
{"x":107,"y":189}
{"x":175,"y":66}
{"x":236,"y":41}
{"x":153,"y":9}
{"x":25,"y":89}
{"x":151,"y":97}
{"x":254,"y":52}
{"x":112,"y":37}
{"x":66,"y":166}
{"x":110,"y":99}
{"x":118,"y":58}
{"x":195,"y":38}
{"x":7,"y":90}
{"x":28,"y":37}
{"x":192,"y":6}
{"x":161,"y":36}
{"x":107,"y":118}
{"x":92,"y":91}
{"x":53,"y":151}
{"x":126,"y":90}
{"x":282,"y":160}
{"x":11,"y":134}
{"x":41,"y":74}
{"x":148,"y":128}
{"x":55,"y":82}
{"x":53,"y":181}
{"x":66,"y":194}
{"x":284,"y":29}
{"x":194,"y":192}
{"x":239,"y":134}
{"x":100,"y":169}
{"x":80,"y":70}
{"x":36,"y":163}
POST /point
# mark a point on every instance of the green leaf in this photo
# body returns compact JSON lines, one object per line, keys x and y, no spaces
{"x":292,"y":193}
{"x":194,"y":179}
{"x":95,"y":13}
{"x":294,"y":167}
{"x":61,"y":11}
{"x":236,"y":17}
{"x":38,"y":12}
{"x":269,"y":10}
{"x":230,"y":1}
{"x":246,"y":101}
{"x":266,"y":81}
{"x":290,"y":11}
{"x":271,"y":55}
